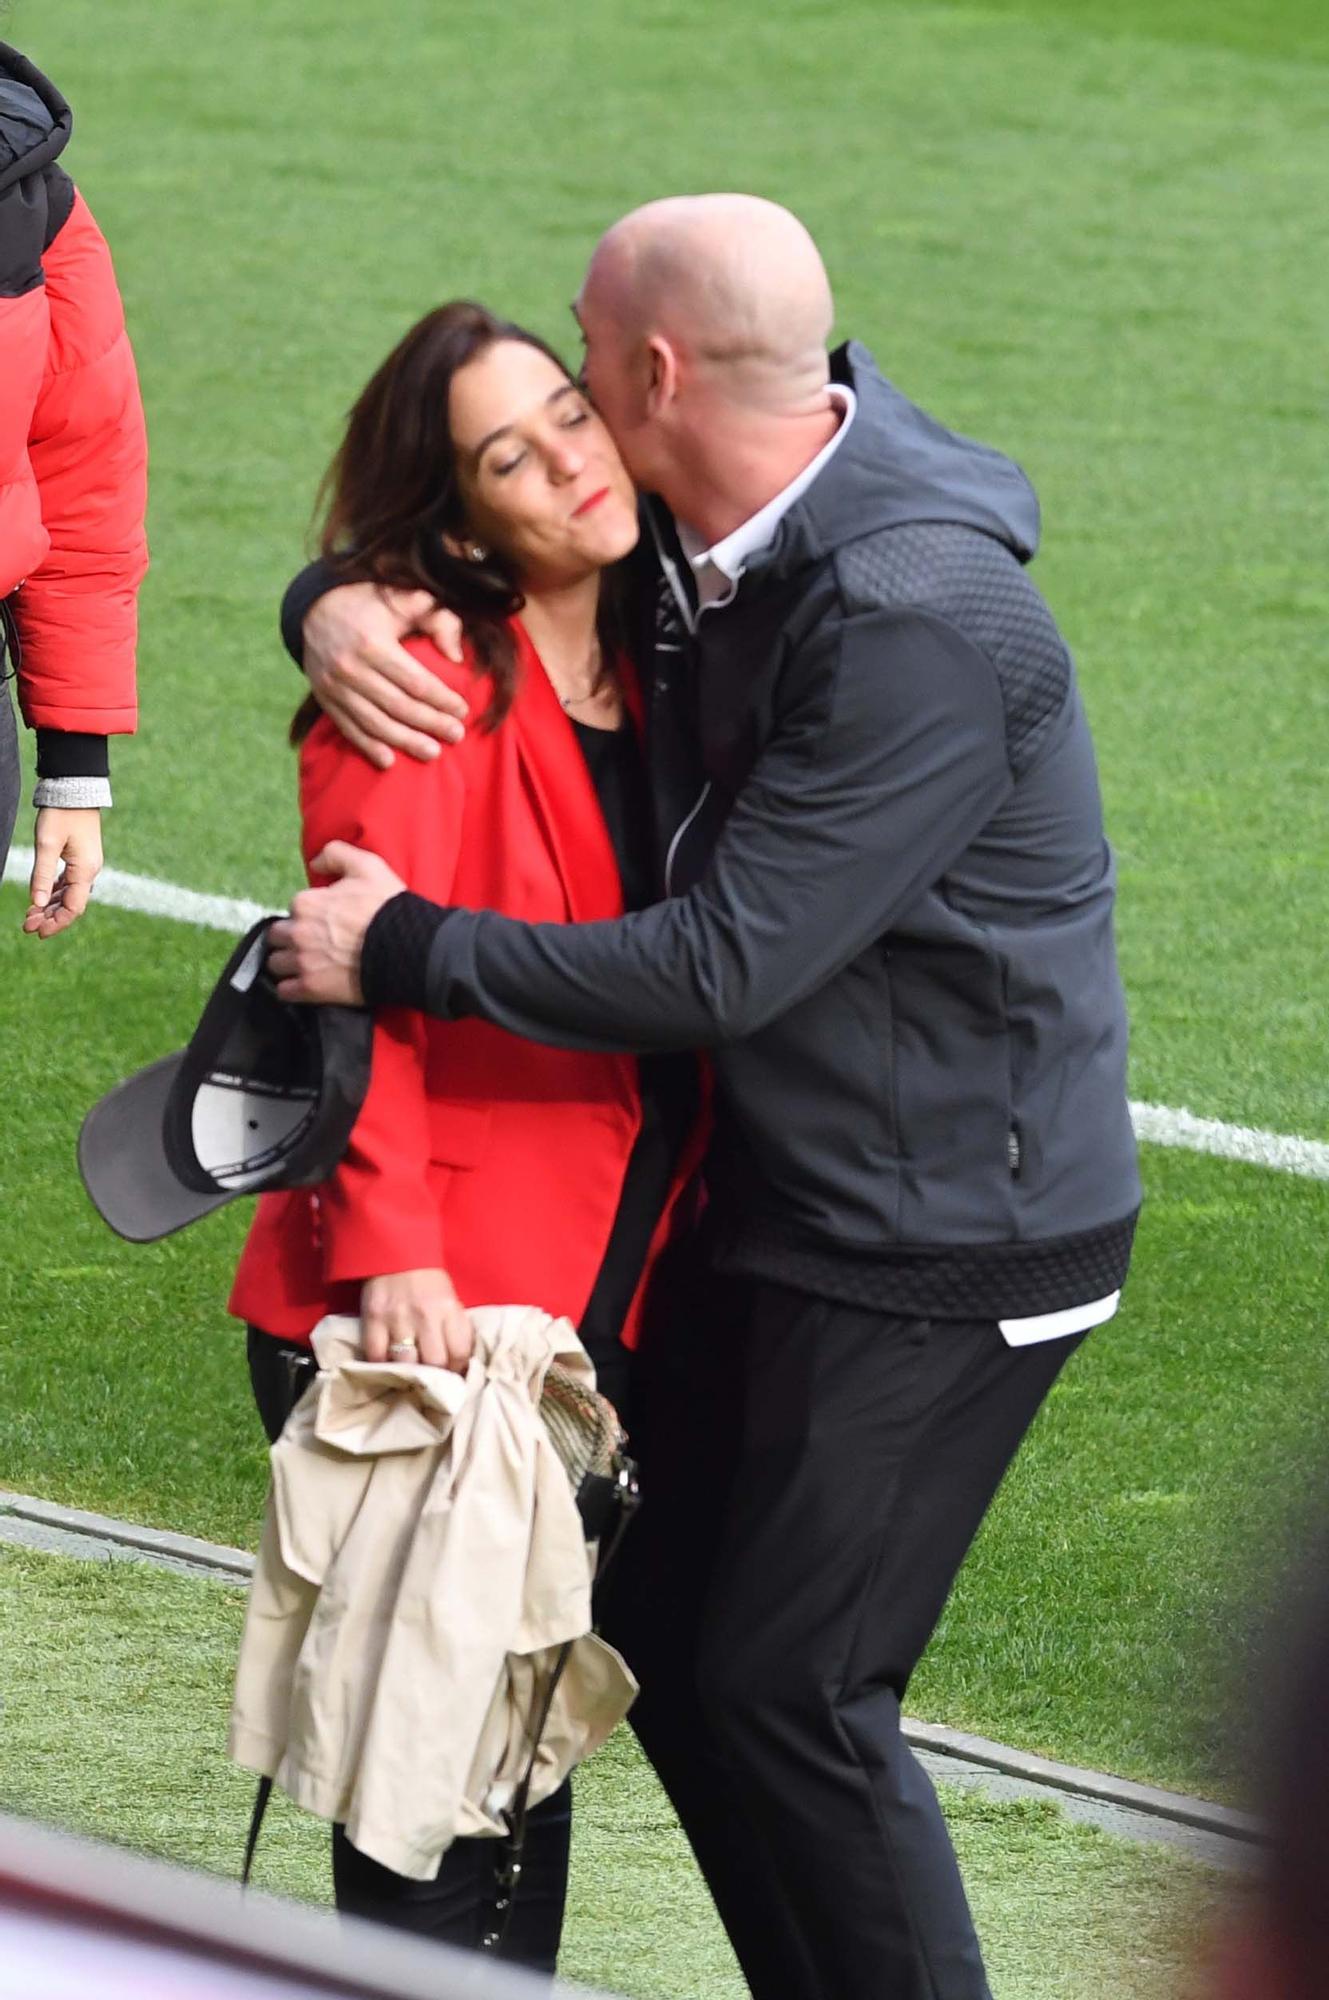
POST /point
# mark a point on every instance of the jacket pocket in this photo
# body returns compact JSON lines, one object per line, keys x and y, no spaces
{"x":458,"y":1131}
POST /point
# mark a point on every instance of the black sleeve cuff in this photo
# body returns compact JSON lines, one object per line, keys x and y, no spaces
{"x":68,"y":753}
{"x":302,"y":593}
{"x":394,"y":959}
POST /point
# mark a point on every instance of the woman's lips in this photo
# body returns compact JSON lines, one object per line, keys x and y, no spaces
{"x":592,"y":500}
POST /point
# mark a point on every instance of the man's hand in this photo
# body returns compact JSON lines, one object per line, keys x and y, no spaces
{"x":314,"y":954}
{"x":68,"y":861}
{"x":378,"y":696}
{"x":419,"y":1314}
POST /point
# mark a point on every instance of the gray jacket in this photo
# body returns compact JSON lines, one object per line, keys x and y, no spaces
{"x":890,"y":909}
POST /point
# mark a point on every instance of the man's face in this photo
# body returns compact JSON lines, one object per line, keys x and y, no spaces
{"x":614,"y":371}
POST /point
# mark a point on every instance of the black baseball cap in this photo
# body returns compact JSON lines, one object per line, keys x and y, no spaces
{"x":265,"y":1096}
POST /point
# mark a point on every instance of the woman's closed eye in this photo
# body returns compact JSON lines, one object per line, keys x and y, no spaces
{"x":576,"y":415}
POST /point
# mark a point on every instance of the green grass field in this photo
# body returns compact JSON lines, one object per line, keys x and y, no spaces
{"x":144,"y":1660}
{"x":1087,"y":232}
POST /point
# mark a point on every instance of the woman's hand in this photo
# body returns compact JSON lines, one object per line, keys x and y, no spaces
{"x":418,"y":1314}
{"x":67,"y":862}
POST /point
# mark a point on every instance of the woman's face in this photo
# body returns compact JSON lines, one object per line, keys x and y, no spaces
{"x":539,"y":475}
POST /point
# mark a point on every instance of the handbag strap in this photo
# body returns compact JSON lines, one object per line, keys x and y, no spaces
{"x":261,"y":1797}
{"x":508,"y":1863}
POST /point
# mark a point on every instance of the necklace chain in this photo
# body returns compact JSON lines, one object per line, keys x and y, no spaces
{"x":596,"y":688}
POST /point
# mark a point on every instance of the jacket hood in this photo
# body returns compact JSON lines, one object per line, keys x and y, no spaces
{"x":35,"y":120}
{"x":899,"y":465}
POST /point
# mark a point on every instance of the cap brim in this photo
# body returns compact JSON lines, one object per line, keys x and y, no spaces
{"x":122,"y":1158}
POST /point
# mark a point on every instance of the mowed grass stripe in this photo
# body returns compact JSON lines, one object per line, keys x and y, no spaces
{"x":145,"y":1662}
{"x":1295,"y":29}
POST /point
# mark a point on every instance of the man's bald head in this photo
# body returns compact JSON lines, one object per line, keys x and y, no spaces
{"x":736,"y":285}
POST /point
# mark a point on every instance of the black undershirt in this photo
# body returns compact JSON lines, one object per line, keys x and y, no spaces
{"x":667,"y":1083}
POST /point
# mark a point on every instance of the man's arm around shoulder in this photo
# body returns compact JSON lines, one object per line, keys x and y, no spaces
{"x":887,"y":763}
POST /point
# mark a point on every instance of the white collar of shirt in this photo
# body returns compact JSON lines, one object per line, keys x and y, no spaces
{"x":719,"y":567}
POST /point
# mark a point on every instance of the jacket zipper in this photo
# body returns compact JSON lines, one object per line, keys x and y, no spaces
{"x":678,"y":835}
{"x":677,"y":588}
{"x":688,"y":615}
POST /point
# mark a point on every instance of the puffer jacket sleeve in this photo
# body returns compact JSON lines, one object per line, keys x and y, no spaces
{"x":76,"y":611}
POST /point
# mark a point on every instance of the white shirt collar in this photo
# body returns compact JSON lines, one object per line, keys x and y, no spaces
{"x":719,"y":567}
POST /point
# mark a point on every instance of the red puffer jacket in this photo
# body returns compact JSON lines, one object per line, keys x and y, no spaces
{"x":73,"y":452}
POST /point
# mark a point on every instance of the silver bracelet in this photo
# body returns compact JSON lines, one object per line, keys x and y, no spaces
{"x":74,"y":794}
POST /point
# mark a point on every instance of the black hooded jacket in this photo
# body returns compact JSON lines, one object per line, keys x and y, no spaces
{"x":889,"y":905}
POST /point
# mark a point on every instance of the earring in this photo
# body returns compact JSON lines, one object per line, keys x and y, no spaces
{"x":476,"y":553}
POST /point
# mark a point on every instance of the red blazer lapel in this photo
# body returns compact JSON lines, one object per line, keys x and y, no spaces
{"x":563,"y":793}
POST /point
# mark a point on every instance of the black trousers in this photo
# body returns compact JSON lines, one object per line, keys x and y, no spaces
{"x":458,"y":1906}
{"x":812,"y":1476}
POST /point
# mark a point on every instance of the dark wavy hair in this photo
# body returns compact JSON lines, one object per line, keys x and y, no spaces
{"x":391,"y":496}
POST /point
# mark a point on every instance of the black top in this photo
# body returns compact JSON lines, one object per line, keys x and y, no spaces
{"x":668,"y":1083}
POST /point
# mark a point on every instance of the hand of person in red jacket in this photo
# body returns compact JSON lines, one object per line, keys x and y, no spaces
{"x":68,"y":862}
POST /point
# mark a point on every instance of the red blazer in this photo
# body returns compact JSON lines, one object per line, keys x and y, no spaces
{"x":496,"y":1158}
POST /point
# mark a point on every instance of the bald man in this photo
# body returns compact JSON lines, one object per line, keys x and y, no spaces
{"x":889,"y":917}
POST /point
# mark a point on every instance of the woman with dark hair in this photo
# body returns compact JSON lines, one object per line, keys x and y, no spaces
{"x":483,"y":1169}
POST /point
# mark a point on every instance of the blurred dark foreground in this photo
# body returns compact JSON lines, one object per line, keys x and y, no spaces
{"x":83,"y":1921}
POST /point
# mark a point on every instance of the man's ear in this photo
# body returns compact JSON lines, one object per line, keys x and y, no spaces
{"x":662,"y":375}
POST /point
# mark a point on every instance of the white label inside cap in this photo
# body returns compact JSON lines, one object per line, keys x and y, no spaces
{"x":247,"y":971}
{"x":239,"y":1137}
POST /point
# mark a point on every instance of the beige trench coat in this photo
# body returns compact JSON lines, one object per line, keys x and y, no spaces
{"x":422,"y":1562}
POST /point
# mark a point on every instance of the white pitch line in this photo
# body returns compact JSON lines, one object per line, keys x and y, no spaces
{"x":1162,"y":1126}
{"x":151,"y":898}
{"x":1158,"y":1124}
